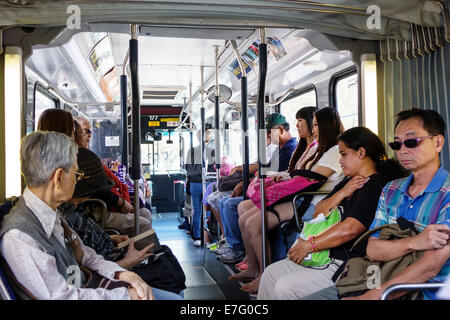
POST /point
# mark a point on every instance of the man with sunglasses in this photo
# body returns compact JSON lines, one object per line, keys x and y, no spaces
{"x":422,"y":198}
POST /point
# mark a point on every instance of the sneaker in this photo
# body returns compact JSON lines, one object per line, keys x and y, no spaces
{"x":221,"y":250}
{"x":232,"y":256}
{"x":197,"y":243}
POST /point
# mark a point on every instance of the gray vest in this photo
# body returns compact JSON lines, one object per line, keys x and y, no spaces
{"x":22,"y":218}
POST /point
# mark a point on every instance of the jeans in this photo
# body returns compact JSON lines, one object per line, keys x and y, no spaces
{"x":308,"y":215}
{"x":166,"y":295}
{"x":196,"y":196}
{"x":230,"y":221}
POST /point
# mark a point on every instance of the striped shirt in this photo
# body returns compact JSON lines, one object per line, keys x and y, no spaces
{"x":429,"y":207}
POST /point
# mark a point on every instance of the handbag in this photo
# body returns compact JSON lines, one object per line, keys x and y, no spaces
{"x":163,"y":271}
{"x":316,"y":227}
{"x":286,"y":190}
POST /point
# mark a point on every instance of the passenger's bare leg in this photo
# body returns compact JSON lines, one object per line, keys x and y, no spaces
{"x":217,"y":216}
{"x":253,"y":228}
{"x":252,"y":264}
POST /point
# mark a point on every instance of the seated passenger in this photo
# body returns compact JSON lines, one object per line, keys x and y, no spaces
{"x":423,"y":198}
{"x":32,"y":237}
{"x":306,"y":147}
{"x":62,"y":121}
{"x":96,"y":238}
{"x":367,"y":169}
{"x":326,"y":128}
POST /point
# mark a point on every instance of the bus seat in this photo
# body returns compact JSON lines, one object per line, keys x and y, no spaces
{"x":6,"y":292}
{"x":18,"y":291}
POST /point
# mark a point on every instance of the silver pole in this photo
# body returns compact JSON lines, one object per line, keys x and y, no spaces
{"x":262,"y":137}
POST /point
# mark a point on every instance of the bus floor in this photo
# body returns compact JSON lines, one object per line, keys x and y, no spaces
{"x":206,"y":277}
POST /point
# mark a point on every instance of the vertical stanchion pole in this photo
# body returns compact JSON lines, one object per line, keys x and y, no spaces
{"x":244,"y":121}
{"x":124,"y":122}
{"x":262,"y":137}
{"x":217,"y":152}
{"x":135,"y":172}
{"x":202,"y":118}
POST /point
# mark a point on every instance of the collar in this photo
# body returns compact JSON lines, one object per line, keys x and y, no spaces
{"x":45,"y":214}
{"x":434,"y":186}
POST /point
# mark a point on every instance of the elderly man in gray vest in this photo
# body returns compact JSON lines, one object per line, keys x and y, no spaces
{"x":33,"y":237}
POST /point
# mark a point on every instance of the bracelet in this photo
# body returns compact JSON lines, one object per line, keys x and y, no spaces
{"x":312,"y":240}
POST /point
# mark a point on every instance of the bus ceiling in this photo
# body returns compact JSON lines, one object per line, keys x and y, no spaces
{"x":346,"y":18}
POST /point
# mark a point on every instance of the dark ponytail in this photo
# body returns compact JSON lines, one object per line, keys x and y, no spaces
{"x":361,"y":137}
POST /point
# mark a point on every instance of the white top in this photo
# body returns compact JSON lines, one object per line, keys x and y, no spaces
{"x":37,"y":271}
{"x":330,"y":159}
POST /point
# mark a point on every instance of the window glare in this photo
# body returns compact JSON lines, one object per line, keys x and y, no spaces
{"x":347,"y":100}
{"x":290,"y":107}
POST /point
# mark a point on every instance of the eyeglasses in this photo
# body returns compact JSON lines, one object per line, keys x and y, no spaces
{"x":409,"y":143}
{"x":78,"y":174}
{"x":87,"y":131}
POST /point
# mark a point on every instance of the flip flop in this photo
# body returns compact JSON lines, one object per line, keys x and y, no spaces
{"x":243,"y":266}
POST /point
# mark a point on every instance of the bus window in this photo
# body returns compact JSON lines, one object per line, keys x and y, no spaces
{"x":43,"y":100}
{"x":346,"y":99}
{"x":289,"y":108}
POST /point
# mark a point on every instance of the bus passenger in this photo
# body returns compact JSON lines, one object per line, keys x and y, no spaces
{"x":367,"y":169}
{"x":62,"y":121}
{"x":193,"y":167}
{"x":423,"y":198}
{"x":326,"y":128}
{"x":86,"y":130}
{"x":306,"y":147}
{"x":32,"y":237}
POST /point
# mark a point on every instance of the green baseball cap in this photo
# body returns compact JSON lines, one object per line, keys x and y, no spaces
{"x":274,"y":119}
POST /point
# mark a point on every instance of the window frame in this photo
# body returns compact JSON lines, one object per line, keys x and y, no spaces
{"x":334,"y":79}
{"x":41,"y":88}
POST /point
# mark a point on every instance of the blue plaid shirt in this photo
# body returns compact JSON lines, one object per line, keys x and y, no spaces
{"x":429,"y":207}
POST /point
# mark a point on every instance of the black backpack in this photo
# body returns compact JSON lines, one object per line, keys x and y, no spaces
{"x":163,"y":271}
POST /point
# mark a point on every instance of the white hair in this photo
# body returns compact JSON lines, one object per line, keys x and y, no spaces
{"x":42,"y":152}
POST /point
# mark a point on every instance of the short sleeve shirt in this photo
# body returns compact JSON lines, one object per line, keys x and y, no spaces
{"x":430,"y":206}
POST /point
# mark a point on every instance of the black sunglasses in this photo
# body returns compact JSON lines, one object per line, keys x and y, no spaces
{"x":87,"y":131}
{"x":409,"y":143}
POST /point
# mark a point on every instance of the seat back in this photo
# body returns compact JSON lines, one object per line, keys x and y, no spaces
{"x":6,"y":292}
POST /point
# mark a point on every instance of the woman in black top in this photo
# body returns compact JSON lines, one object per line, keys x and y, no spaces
{"x":367,"y":169}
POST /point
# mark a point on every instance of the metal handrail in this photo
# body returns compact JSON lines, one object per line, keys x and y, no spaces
{"x":409,"y":287}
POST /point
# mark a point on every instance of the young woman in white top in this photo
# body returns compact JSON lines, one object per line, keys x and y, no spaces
{"x":326,"y":127}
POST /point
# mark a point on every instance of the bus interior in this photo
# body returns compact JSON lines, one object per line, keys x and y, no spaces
{"x":367,"y":59}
